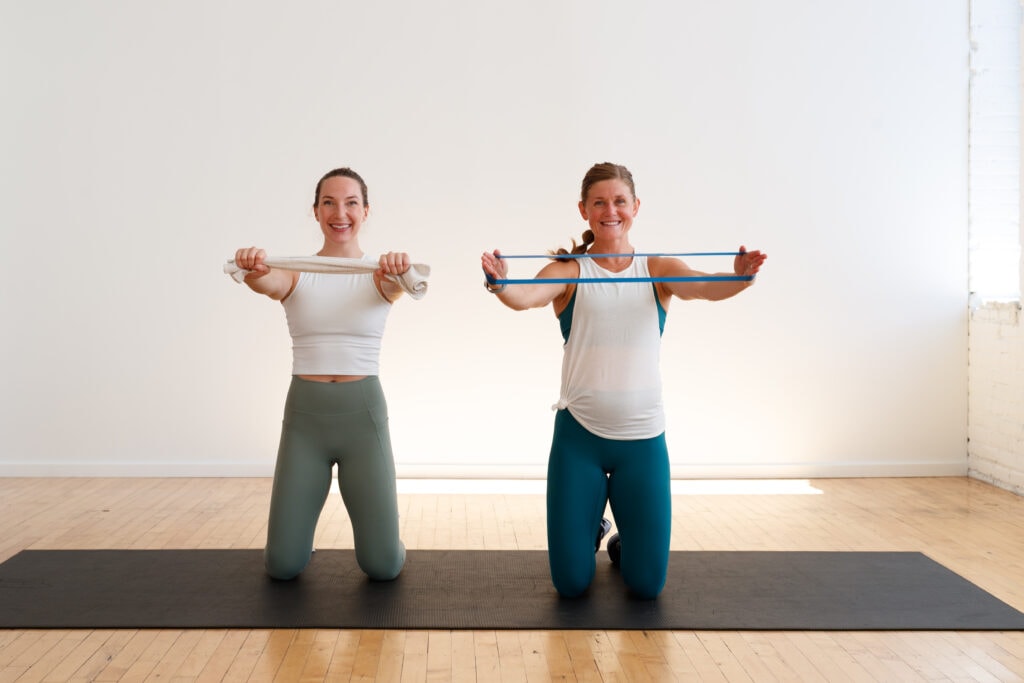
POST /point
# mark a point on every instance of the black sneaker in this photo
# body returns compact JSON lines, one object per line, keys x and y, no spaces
{"x":615,"y":549}
{"x":602,"y":531}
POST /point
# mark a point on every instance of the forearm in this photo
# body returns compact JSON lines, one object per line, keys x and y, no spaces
{"x":524,"y":297}
{"x":276,"y":284}
{"x":723,"y":289}
{"x":390,"y":290}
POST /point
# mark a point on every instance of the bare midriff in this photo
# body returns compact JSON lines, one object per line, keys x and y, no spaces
{"x":332,"y":378}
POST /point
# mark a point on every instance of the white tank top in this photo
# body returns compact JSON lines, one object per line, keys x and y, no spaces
{"x":336,"y":322}
{"x":611,"y":379}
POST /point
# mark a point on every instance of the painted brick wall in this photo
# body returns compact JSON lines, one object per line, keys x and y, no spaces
{"x":995,"y":382}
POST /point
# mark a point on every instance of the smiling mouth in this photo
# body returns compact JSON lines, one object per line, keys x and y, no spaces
{"x":340,"y":226}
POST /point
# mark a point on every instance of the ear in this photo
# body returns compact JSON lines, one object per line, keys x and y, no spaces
{"x":583,"y":211}
{"x":636,"y":207}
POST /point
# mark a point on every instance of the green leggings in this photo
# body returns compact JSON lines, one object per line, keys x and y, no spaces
{"x":328,"y":423}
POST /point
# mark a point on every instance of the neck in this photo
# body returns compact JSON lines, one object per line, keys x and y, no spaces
{"x":619,"y":246}
{"x":612,"y":247}
{"x":341,"y":251}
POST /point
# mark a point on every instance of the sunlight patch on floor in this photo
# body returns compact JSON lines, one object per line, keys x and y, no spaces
{"x":680,"y":487}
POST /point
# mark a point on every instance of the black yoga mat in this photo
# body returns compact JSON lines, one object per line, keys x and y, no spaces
{"x":480,"y":589}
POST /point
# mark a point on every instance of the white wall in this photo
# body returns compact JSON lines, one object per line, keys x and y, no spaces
{"x":143,"y":142}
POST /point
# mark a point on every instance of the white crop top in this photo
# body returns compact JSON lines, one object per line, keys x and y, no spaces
{"x":611,"y":380}
{"x":336,"y":323}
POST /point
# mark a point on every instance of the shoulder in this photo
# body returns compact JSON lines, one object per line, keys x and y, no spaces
{"x":562,"y":268}
{"x":663,"y":266}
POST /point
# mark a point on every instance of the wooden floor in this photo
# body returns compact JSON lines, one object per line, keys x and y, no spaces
{"x":970,"y":527}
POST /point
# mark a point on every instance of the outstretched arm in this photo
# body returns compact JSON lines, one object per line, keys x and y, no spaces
{"x":746,"y":263}
{"x":273,"y":282}
{"x":522,"y":297}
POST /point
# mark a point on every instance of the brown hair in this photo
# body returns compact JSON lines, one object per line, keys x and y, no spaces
{"x":597,"y":173}
{"x":346,"y":173}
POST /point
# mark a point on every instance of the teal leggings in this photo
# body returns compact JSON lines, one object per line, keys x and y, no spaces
{"x":584,"y":473}
{"x":327,"y":424}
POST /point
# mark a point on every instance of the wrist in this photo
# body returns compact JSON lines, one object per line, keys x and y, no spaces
{"x":497,"y":290}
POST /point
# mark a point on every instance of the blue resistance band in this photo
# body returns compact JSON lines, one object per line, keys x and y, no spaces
{"x":585,"y":280}
{"x":591,"y":280}
{"x":589,"y":255}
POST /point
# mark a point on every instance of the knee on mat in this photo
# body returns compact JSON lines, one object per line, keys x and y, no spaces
{"x":281,"y":567}
{"x":645,"y":583}
{"x":572,"y":585}
{"x":570,"y":591}
{"x":382,"y":566}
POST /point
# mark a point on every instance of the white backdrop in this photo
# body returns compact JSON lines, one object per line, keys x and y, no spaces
{"x":142,"y":143}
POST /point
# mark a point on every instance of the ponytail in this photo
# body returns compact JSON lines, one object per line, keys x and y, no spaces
{"x":581,"y":248}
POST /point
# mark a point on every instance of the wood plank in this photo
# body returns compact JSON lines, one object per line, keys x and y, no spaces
{"x":318,"y":660}
{"x":249,"y":653}
{"x":463,"y":656}
{"x":343,"y":660}
{"x":367,"y":656}
{"x":223,"y":656}
{"x":414,"y":657}
{"x":191,"y":665}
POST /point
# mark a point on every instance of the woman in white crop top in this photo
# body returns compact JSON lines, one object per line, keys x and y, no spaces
{"x":609,"y":441}
{"x":335,"y":412}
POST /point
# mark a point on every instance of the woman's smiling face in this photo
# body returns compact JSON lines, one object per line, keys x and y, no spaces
{"x":340,"y":210}
{"x":609,"y":208}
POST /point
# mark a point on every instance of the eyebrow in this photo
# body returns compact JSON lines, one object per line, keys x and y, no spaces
{"x":330,"y":196}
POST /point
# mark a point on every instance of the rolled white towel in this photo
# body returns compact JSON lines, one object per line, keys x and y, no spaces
{"x":413,"y":281}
